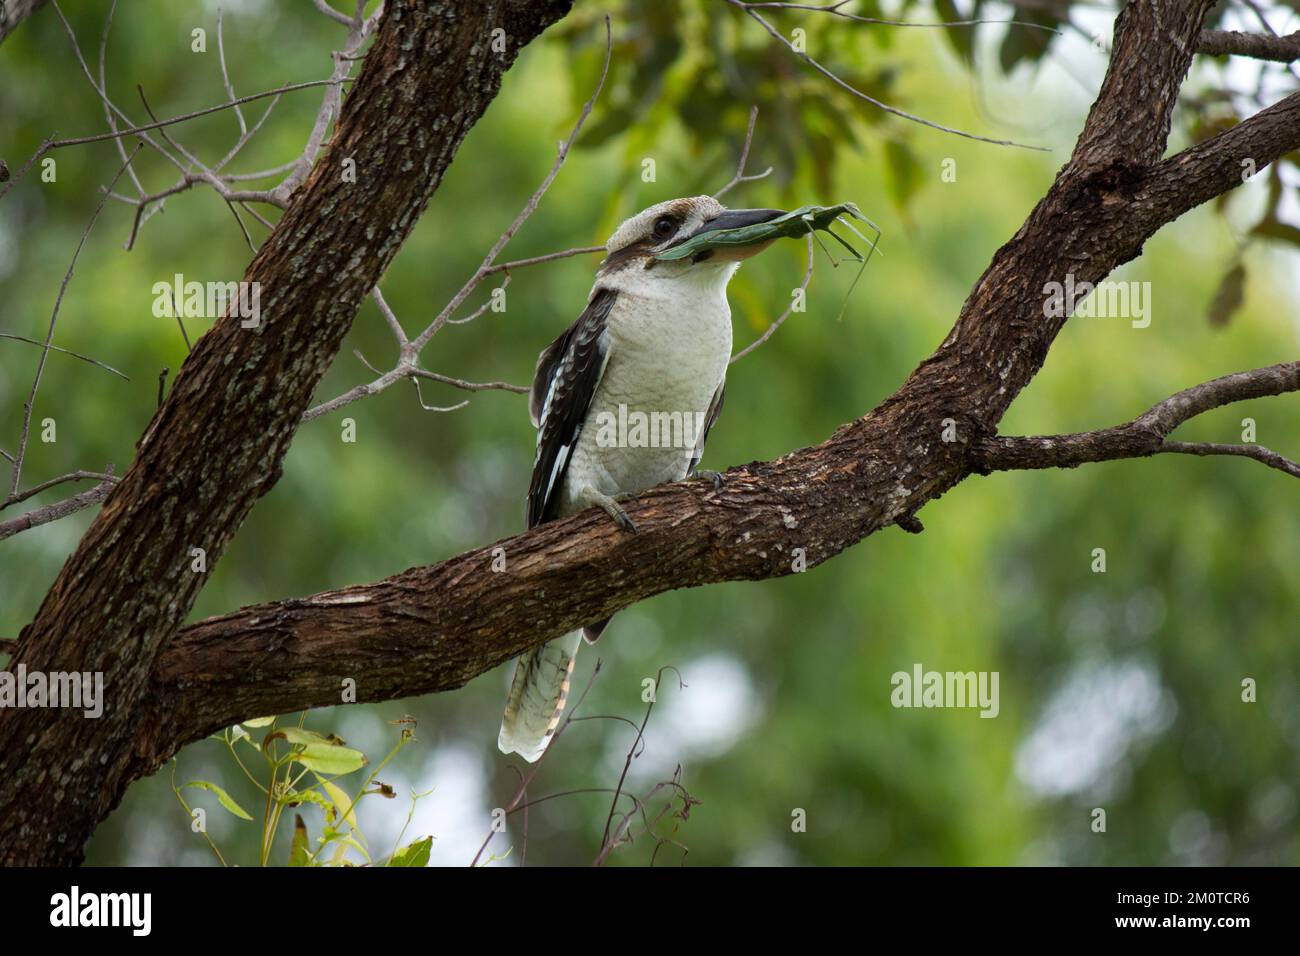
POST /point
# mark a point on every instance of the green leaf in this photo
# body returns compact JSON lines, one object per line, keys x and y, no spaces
{"x":330,"y":759}
{"x":962,"y":38}
{"x":346,"y":808}
{"x":222,"y":797}
{"x":414,"y":854}
{"x":294,"y":798}
{"x":256,"y":722}
{"x":1273,"y":228}
{"x":342,"y":848}
{"x":297,"y":735}
{"x":1026,"y":43}
{"x":299,"y":853}
{"x":1227,"y":300}
{"x":904,"y":175}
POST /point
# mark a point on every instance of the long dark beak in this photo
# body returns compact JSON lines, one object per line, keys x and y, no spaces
{"x":734,"y":249}
{"x":736,"y":218}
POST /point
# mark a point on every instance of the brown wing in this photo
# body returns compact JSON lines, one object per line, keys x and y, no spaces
{"x":715,"y":409}
{"x":568,"y":372}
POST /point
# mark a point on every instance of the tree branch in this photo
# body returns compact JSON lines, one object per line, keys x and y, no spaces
{"x":740,"y":176}
{"x":1146,"y":435}
{"x":79,"y":475}
{"x":57,"y":510}
{"x":1258,"y":46}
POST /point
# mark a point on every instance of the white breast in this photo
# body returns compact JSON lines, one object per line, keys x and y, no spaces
{"x":670,"y":341}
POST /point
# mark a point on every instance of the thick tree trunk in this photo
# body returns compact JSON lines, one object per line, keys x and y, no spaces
{"x":216,"y":443}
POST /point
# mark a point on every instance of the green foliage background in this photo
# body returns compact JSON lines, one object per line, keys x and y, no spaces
{"x":1119,"y":690}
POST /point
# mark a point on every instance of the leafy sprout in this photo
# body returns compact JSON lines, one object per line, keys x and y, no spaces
{"x":303,"y":768}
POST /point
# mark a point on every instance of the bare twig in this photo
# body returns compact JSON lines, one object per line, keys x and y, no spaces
{"x":1147,"y":434}
{"x":634,"y":751}
{"x":207,"y":175}
{"x":100,"y":91}
{"x":53,"y":512}
{"x":849,"y":88}
{"x":776,"y":323}
{"x":105,"y":475}
{"x":1257,"y":452}
{"x":225,"y":75}
{"x":529,"y":208}
{"x":333,"y":14}
{"x":386,"y":311}
{"x":468,"y":386}
{"x":409,"y":349}
{"x":740,"y":176}
{"x":358,"y":31}
{"x":146,"y":204}
{"x":56,"y":348}
{"x":103,"y":86}
{"x":836,"y":9}
{"x":398,"y":373}
{"x":53,"y":144}
{"x":538,"y":260}
{"x":49,"y":335}
{"x":484,"y":307}
{"x":419,"y":397}
{"x":517,"y":801}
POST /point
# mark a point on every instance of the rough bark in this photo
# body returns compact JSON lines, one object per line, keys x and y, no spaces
{"x":1259,"y":46}
{"x":1148,"y":433}
{"x":216,"y":443}
{"x":53,"y":512}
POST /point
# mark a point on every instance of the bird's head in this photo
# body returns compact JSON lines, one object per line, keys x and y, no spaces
{"x":631,"y":251}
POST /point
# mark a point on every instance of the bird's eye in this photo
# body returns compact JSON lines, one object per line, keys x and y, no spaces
{"x":665,"y":226}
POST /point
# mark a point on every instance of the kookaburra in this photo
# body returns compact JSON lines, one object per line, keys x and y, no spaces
{"x":651,"y":346}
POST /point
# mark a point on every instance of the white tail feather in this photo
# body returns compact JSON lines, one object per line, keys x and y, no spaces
{"x":537,"y":697}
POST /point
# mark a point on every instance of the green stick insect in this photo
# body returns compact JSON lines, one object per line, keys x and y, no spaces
{"x":806,"y":220}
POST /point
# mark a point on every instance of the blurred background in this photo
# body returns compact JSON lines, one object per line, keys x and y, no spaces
{"x":1119,"y":690}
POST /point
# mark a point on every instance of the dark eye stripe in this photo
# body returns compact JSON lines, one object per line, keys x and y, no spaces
{"x":617,"y":258}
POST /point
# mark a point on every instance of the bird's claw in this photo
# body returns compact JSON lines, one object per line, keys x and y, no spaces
{"x":610,"y":505}
{"x":707,"y":475}
{"x":621,"y":517}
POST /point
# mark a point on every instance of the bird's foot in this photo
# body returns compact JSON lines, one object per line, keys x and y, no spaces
{"x":707,"y":475}
{"x":610,"y":505}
